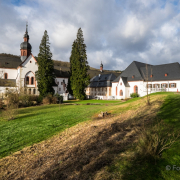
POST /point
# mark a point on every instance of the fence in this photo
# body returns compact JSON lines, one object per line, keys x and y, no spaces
{"x":105,"y":97}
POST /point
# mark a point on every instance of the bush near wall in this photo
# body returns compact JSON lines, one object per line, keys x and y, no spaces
{"x":60,"y":98}
{"x":134,"y":95}
{"x":49,"y":99}
{"x":52,"y":99}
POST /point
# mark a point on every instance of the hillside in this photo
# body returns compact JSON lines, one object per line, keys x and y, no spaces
{"x":99,"y":149}
{"x":58,"y":65}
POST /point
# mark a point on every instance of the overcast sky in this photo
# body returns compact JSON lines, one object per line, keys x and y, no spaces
{"x":116,"y":32}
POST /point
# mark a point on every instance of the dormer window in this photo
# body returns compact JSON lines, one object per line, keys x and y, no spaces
{"x":166,"y":74}
{"x":133,"y":76}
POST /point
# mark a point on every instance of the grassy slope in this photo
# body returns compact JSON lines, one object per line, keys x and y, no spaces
{"x":92,"y":101}
{"x":131,"y":167}
{"x":35,"y":124}
{"x":50,"y":121}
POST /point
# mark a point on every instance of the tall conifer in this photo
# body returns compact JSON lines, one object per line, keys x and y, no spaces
{"x":45,"y":75}
{"x":79,"y":79}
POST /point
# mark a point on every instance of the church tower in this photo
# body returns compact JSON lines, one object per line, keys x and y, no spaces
{"x":25,"y":46}
{"x":101,"y":67}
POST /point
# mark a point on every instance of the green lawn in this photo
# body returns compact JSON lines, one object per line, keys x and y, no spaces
{"x":92,"y":101}
{"x":35,"y":124}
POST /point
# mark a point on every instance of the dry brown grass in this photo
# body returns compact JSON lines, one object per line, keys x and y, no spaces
{"x":83,"y":151}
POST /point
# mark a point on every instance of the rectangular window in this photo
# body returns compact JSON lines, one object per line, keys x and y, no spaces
{"x":61,"y":83}
{"x":173,"y":85}
{"x":164,"y":85}
{"x":59,"y":89}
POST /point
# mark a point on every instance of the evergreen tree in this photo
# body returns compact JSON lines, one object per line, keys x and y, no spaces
{"x":79,"y":79}
{"x":45,"y":75}
{"x":69,"y":88}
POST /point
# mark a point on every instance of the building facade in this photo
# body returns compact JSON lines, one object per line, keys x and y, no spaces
{"x":18,"y":73}
{"x":142,"y":78}
{"x":100,"y":85}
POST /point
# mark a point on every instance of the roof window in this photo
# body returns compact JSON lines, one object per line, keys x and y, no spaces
{"x":151,"y":75}
{"x":166,"y":74}
{"x":133,"y":76}
{"x":6,"y":63}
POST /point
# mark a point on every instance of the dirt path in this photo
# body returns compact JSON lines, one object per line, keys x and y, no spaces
{"x":80,"y":152}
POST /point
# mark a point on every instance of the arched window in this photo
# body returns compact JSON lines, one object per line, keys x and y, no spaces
{"x":121,"y":93}
{"x":136,"y":89}
{"x":27,"y":80}
{"x":5,"y":75}
{"x":34,"y":90}
{"x":32,"y":80}
{"x":29,"y":91}
{"x":24,"y":53}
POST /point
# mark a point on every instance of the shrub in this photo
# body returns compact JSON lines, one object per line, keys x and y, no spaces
{"x":10,"y":112}
{"x":46,"y":100}
{"x":59,"y":98}
{"x":12,"y":98}
{"x":50,"y":99}
{"x":155,"y":140}
{"x":33,"y":97}
{"x":54,"y":100}
{"x":25,"y":100}
{"x":39,"y":99}
{"x":134,"y":95}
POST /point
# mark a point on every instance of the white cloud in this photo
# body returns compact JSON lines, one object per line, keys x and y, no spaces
{"x":115,"y":33}
{"x":64,"y":35}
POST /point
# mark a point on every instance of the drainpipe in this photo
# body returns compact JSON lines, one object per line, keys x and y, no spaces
{"x":168,"y":86}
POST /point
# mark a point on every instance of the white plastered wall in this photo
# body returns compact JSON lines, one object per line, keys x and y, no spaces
{"x":120,"y":86}
{"x":12,"y":73}
{"x":60,"y":88}
{"x":29,"y":67}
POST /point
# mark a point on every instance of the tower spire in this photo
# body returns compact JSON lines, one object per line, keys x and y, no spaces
{"x":101,"y":67}
{"x":26,"y":27}
{"x":25,"y":46}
